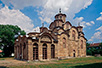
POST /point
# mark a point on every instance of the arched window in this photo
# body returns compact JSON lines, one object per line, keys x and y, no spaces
{"x":24,"y":46}
{"x":52,"y":51}
{"x":81,"y":44}
{"x":64,"y":42}
{"x":60,"y":17}
{"x":73,"y":35}
{"x":35,"y":51}
{"x":74,"y":53}
{"x":44,"y":51}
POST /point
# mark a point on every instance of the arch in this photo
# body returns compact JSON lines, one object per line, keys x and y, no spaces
{"x":52,"y":25}
{"x":35,"y":51}
{"x":46,"y":38}
{"x":64,"y":42}
{"x":47,"y":34}
{"x":52,"y":51}
{"x":67,"y":25}
{"x":73,"y":35}
{"x":81,"y":44}
{"x":74,"y":53}
{"x":44,"y":51}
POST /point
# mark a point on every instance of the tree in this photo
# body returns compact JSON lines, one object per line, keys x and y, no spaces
{"x":100,"y":45}
{"x":8,"y":34}
{"x":87,"y":44}
{"x":88,"y":51}
{"x":100,"y":48}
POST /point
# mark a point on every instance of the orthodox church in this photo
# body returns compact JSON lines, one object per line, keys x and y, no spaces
{"x":61,"y":40}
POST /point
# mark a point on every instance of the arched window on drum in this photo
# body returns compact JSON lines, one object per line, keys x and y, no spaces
{"x":81,"y":44}
{"x":64,"y":42}
{"x":73,"y":35}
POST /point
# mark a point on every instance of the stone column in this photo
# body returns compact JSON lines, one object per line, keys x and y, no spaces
{"x":48,"y":51}
{"x":40,"y":51}
{"x":29,"y":49}
{"x":56,"y":50}
{"x":22,"y":51}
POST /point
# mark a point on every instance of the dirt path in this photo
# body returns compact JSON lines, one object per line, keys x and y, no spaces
{"x":13,"y":62}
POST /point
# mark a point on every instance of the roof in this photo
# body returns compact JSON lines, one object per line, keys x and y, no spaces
{"x":94,"y":44}
{"x":69,"y":23}
{"x":79,"y":27}
{"x":33,"y":33}
{"x":59,"y":20}
{"x":60,"y":14}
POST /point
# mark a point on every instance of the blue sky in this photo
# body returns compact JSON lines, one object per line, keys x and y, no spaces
{"x":30,"y":14}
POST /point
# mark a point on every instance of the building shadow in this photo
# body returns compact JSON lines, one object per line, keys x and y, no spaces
{"x":95,"y":65}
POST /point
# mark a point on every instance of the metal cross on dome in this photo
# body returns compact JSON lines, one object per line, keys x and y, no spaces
{"x":59,"y":10}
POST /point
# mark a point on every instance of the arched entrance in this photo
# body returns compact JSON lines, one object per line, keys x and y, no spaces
{"x":44,"y":51}
{"x":35,"y":51}
{"x":52,"y":51}
{"x":73,"y":53}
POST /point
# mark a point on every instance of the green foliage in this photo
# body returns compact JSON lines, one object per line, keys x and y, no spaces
{"x":7,"y":36}
{"x":100,"y":45}
{"x":87,"y":44}
{"x":93,"y":51}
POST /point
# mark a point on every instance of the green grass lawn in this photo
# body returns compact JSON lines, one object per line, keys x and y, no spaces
{"x":85,"y":62}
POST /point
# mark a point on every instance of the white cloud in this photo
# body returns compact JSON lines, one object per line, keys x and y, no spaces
{"x":50,"y":7}
{"x":101,"y":13}
{"x":88,"y":3}
{"x":97,"y":35}
{"x":92,"y":22}
{"x":100,"y":28}
{"x":15,"y":17}
{"x":100,"y":18}
{"x":88,"y":24}
{"x":83,"y":23}
{"x":23,"y":3}
{"x":37,"y":29}
{"x":70,"y":7}
{"x":0,"y":6}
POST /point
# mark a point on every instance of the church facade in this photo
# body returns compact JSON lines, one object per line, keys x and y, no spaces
{"x":61,"y":40}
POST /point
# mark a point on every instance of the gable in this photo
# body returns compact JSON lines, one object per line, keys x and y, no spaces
{"x":46,"y":38}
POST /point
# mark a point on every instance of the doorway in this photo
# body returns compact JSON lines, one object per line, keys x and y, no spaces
{"x":73,"y":53}
{"x":52,"y":51}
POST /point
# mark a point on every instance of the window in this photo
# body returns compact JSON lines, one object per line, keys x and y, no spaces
{"x":81,"y":44}
{"x":73,"y":35}
{"x":35,"y":51}
{"x":24,"y":46}
{"x":60,"y":17}
{"x":64,"y":42}
{"x":57,"y":17}
{"x":44,"y":51}
{"x":52,"y":51}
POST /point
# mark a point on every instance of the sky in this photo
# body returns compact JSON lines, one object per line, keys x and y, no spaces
{"x":30,"y":14}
